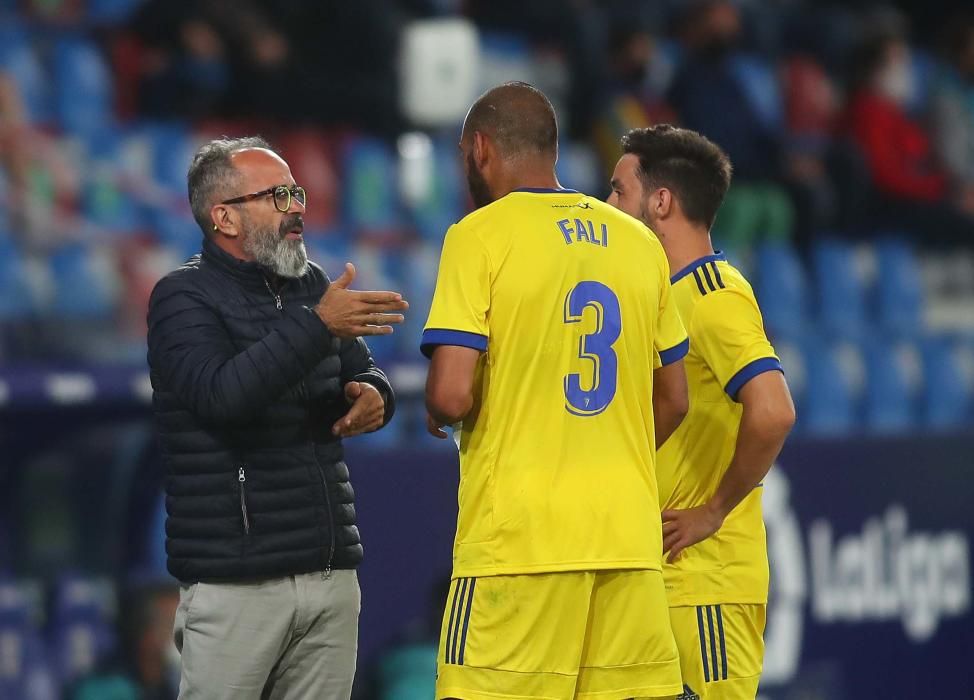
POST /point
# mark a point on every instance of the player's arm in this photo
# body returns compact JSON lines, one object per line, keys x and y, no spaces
{"x":671,"y":400}
{"x":731,"y":340}
{"x":456,"y":332}
{"x":449,"y":384}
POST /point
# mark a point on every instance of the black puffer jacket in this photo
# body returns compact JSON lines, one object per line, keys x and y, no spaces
{"x":247,"y":385}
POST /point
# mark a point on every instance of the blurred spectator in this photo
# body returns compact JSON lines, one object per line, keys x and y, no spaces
{"x":912,"y":190}
{"x":953,"y":107}
{"x":630,"y":101}
{"x":710,"y":97}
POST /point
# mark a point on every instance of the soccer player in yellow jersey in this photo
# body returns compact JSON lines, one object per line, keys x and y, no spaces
{"x":710,"y":470}
{"x":548,"y":307}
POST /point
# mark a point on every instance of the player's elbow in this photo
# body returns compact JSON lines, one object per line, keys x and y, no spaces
{"x":776,"y":420}
{"x":447,"y":404}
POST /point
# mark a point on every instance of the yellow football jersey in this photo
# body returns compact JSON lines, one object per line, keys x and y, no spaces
{"x":567,"y":297}
{"x":728,"y":347}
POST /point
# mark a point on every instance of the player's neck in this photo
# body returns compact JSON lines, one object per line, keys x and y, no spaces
{"x":686,"y":247}
{"x":535,"y":180}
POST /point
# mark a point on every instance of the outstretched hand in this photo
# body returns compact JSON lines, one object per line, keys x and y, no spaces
{"x":350,"y":314}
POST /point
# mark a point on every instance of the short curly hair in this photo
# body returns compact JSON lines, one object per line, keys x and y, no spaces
{"x":691,"y":166}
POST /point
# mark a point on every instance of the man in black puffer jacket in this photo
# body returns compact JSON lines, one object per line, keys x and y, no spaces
{"x":259,"y":370}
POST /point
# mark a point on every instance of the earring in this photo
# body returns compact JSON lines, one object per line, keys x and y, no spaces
{"x":214,"y":227}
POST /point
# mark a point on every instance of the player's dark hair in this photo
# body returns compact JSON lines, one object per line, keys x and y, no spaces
{"x":691,"y":166}
{"x":518,"y":117}
{"x":212,"y":176}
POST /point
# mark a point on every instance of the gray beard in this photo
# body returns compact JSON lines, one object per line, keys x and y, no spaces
{"x":282,"y":257}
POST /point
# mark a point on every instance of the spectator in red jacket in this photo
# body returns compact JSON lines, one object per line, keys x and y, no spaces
{"x":912,"y":188}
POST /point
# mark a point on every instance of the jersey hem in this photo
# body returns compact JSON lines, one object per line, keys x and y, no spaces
{"x":749,"y":372}
{"x":434,"y":337}
{"x":677,"y":352}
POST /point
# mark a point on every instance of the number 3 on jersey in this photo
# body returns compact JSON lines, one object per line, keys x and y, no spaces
{"x":595,"y":347}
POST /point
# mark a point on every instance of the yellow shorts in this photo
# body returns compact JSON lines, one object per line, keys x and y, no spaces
{"x":588,"y":634}
{"x":721,"y":650}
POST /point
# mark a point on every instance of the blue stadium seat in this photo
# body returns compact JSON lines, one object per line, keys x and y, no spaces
{"x":893,"y":372}
{"x":443,"y":198}
{"x":172,"y":146}
{"x":371,"y":202}
{"x":579,"y":169}
{"x":898,"y":293}
{"x":758,"y":80}
{"x":947,"y":399}
{"x":839,"y":289}
{"x":19,"y":59}
{"x":23,"y":663}
{"x":504,"y":57}
{"x":14,"y":282}
{"x":87,"y":283}
{"x":422,"y":262}
{"x":106,"y":199}
{"x":781,"y":290}
{"x":110,"y":12}
{"x":81,"y":630}
{"x":793,"y":362}
{"x":83,"y":86}
{"x":834,"y":380}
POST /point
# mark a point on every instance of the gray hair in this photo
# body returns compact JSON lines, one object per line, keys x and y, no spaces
{"x":212,"y":176}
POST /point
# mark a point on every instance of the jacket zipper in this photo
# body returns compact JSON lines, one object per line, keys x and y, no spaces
{"x":277,"y":297}
{"x":321,"y":472}
{"x":242,"y":478}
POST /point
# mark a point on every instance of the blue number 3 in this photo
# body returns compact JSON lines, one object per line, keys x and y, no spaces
{"x":595,"y":347}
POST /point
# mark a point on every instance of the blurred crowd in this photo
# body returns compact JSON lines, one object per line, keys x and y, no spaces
{"x":850,"y":126}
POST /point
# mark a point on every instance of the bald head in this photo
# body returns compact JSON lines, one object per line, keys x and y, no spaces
{"x":518,"y":118}
{"x":213,"y":175}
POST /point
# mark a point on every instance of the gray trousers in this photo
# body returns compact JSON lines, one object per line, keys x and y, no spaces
{"x":278,"y":639}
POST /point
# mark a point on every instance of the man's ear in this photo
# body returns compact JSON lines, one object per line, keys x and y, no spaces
{"x":664,"y":205}
{"x":481,"y":149}
{"x":224,"y":220}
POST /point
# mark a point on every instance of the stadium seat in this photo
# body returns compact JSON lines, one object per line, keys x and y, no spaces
{"x":421,"y":262}
{"x":758,"y":80}
{"x":431,"y":183}
{"x":579,"y":169}
{"x":834,"y":382}
{"x":781,"y":290}
{"x":898,"y":290}
{"x":370,"y":197}
{"x":107,"y":196}
{"x":503,"y":57}
{"x":19,"y":59}
{"x":23,"y":663}
{"x":83,"y":86}
{"x":110,"y":12}
{"x":839,"y":289}
{"x":947,"y":398}
{"x":14,"y":280}
{"x":308,"y":153}
{"x":81,"y":631}
{"x":893,"y":373}
{"x":171,"y":146}
{"x":87,"y":283}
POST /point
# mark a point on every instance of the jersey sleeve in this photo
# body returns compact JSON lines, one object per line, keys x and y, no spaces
{"x":728,"y":333}
{"x":671,"y":342}
{"x":458,"y":314}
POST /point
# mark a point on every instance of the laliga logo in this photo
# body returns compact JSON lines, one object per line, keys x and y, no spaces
{"x":885,"y":572}
{"x":882,"y":573}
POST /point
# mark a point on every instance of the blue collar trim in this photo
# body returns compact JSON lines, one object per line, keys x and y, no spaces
{"x":718,"y":255}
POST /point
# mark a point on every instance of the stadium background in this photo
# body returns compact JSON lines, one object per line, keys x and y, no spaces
{"x":852,"y":217}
